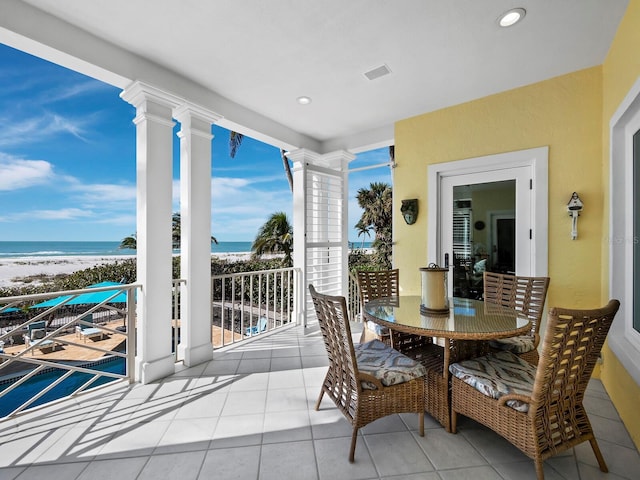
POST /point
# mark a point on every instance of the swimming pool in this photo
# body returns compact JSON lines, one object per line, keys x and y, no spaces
{"x":39,"y":382}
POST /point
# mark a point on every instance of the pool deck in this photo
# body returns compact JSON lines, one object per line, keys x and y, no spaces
{"x":108,"y":342}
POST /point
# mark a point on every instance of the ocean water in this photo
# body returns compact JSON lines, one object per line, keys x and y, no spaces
{"x":49,"y":249}
{"x":93,"y":249}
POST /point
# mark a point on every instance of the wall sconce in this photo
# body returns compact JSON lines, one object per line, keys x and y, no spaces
{"x":409,"y":210}
{"x":574,"y":207}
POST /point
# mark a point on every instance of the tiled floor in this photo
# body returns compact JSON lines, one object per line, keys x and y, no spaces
{"x":248,"y":414}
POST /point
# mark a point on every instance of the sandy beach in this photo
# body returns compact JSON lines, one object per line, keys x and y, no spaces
{"x":14,"y":270}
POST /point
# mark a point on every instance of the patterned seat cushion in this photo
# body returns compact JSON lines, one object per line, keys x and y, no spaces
{"x":498,"y":374}
{"x":515,"y":345}
{"x":377,"y":329}
{"x":386,"y":364}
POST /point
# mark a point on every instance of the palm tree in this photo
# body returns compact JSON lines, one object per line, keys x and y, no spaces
{"x":132,"y":243}
{"x":362,"y":231}
{"x":129,"y":242}
{"x":235,"y":139}
{"x":377,"y":216}
{"x":275,"y":236}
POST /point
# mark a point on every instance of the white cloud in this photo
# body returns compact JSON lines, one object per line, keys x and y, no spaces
{"x":229,"y":187}
{"x":39,"y":128}
{"x":58,"y":214}
{"x":59,"y":124}
{"x":105,"y":192}
{"x":69,"y":91}
{"x":16,"y":173}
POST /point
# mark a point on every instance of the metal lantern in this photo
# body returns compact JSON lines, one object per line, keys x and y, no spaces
{"x":435,"y":297}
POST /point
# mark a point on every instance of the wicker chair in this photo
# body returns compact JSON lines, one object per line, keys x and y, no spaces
{"x":538,"y":409}
{"x":368,"y":381}
{"x":376,"y":284}
{"x":526,"y":295}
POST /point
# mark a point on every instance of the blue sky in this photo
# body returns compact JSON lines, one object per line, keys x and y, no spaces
{"x":67,"y":163}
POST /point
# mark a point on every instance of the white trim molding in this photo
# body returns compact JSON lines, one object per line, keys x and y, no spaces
{"x":536,"y":159}
{"x":624,"y":340}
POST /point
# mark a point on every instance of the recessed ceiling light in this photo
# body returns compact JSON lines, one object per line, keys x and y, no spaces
{"x":304,"y":100}
{"x":511,"y":17}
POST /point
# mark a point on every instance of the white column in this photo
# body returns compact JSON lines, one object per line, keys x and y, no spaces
{"x":299,"y":159}
{"x":339,"y":161}
{"x":154,"y":157}
{"x":305,"y":232}
{"x":195,"y":246}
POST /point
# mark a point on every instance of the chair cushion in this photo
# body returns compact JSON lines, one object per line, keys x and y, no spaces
{"x":38,"y":334}
{"x":386,"y":364}
{"x":90,"y":332}
{"x":377,"y":329}
{"x":498,"y":374}
{"x":516,"y":345}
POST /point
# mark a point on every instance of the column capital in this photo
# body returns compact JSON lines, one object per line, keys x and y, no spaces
{"x":151,"y":103}
{"x":195,"y":119}
{"x":302,"y":155}
{"x":337,"y":159}
{"x":188,"y":110}
{"x":334,"y":160}
{"x":138,"y":93}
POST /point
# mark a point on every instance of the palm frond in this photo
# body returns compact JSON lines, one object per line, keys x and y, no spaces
{"x":235,"y":140}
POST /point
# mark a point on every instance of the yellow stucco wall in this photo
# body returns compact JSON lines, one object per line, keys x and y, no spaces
{"x":565,"y":114}
{"x":621,"y":70}
{"x":571,"y":115}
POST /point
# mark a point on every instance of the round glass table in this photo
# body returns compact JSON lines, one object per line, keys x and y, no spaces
{"x":461,"y":333}
{"x":467,"y":319}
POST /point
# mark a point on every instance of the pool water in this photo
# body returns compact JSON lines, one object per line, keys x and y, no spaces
{"x":39,"y":382}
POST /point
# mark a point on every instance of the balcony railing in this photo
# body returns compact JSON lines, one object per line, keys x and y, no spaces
{"x":75,"y":344}
{"x":68,"y":342}
{"x":251,"y":303}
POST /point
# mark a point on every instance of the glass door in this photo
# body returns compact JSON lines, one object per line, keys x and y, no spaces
{"x":485,"y":225}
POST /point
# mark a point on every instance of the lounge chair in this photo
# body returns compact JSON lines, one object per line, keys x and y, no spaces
{"x":260,"y":327}
{"x":85,"y":331}
{"x":35,"y":337}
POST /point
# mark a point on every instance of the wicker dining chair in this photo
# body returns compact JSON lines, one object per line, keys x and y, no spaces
{"x":366,"y":381}
{"x":376,"y":284}
{"x":525,"y":294}
{"x":538,"y":409}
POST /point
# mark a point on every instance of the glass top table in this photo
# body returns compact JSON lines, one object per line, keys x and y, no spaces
{"x":463,"y":332}
{"x":467,"y":319}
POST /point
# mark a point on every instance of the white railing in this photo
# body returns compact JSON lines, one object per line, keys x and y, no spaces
{"x":64,"y":344}
{"x":77,"y":339}
{"x":251,"y":303}
{"x":175,"y":317}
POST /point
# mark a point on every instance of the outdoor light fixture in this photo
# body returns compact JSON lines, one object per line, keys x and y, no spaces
{"x":511,"y":17}
{"x":574,"y":207}
{"x":304,"y":100}
{"x":409,"y":210}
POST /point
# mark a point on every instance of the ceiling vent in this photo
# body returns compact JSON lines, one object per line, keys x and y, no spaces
{"x":377,"y":72}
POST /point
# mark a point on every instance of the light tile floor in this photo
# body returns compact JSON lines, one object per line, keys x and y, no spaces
{"x":248,"y":414}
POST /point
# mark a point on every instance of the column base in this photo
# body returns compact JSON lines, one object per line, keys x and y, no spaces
{"x":195,"y":355}
{"x":147,"y":372}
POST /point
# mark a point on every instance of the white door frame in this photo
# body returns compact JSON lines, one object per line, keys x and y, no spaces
{"x":502,"y":165}
{"x":623,"y":339}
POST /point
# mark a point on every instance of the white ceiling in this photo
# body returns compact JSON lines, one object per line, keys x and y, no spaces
{"x":258,"y":56}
